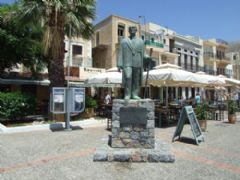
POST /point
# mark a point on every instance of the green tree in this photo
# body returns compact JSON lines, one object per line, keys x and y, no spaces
{"x":20,"y":43}
{"x":58,"y":17}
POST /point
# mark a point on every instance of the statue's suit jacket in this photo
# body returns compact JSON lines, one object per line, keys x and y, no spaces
{"x":131,"y":54}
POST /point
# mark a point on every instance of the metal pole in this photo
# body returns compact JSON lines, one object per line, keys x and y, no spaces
{"x":146,"y":81}
{"x":68,"y":101}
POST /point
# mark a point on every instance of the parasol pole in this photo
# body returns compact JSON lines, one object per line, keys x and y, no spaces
{"x":148,"y":68}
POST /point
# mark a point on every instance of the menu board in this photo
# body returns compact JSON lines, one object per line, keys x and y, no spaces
{"x":188,"y":113}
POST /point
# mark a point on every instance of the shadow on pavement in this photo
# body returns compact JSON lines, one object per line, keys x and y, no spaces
{"x":56,"y":127}
{"x":187,"y":140}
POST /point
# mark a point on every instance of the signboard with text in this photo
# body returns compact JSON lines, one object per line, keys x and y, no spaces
{"x":78,"y":100}
{"x":188,"y":113}
{"x":58,"y":100}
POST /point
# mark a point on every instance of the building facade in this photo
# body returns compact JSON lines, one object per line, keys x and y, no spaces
{"x":215,"y":59}
{"x":106,"y":40}
{"x":160,"y":41}
{"x":235,"y":61}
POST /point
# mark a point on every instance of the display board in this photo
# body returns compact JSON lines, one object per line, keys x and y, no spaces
{"x":78,"y":100}
{"x":67,"y":100}
{"x":188,"y":113}
{"x":58,"y":100}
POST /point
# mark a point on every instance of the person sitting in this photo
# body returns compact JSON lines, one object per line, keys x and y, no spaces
{"x":107,"y":99}
{"x":197,"y":99}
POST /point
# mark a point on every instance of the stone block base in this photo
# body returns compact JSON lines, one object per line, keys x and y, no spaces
{"x":132,"y":134}
{"x":161,"y":153}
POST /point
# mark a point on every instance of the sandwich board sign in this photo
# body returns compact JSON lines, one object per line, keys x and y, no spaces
{"x":188,"y":113}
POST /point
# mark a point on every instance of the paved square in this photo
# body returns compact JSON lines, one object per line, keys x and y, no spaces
{"x":69,"y":155}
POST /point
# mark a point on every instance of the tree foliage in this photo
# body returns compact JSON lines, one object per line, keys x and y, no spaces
{"x":14,"y":105}
{"x":58,"y":17}
{"x":20,"y":43}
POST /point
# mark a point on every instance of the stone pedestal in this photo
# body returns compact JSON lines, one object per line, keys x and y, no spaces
{"x":133,"y":124}
{"x":133,"y":138}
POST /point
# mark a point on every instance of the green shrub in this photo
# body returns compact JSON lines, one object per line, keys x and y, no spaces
{"x":232,"y":107}
{"x":201,"y":111}
{"x":90,"y":102}
{"x":15,"y":105}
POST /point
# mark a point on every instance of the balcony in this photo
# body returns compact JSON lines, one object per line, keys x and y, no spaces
{"x":154,"y":44}
{"x":81,"y":62}
{"x":192,"y":68}
{"x":211,"y":55}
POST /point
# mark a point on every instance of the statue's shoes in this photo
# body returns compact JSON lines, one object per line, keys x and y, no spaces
{"x":136,"y":97}
{"x":127,"y":97}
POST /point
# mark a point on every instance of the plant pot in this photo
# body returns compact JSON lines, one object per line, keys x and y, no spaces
{"x":88,"y":113}
{"x":203,"y":125}
{"x":232,"y":118}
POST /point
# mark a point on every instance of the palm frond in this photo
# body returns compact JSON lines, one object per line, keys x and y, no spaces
{"x":32,"y":11}
{"x":47,"y":39}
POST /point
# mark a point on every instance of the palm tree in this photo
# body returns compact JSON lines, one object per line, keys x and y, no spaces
{"x":58,"y":17}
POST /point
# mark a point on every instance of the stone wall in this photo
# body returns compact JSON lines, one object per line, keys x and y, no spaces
{"x":133,"y":135}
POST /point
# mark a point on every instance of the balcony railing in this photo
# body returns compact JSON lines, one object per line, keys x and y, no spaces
{"x":192,"y":68}
{"x":155,"y":44}
{"x":81,"y":62}
{"x":215,"y":56}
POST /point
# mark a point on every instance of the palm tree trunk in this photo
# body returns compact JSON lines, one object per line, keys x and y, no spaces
{"x":56,"y":52}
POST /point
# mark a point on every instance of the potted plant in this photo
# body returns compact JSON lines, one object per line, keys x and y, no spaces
{"x":201,"y":113}
{"x":90,"y":104}
{"x":232,"y":109}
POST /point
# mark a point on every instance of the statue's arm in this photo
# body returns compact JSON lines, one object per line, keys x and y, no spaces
{"x":120,"y":58}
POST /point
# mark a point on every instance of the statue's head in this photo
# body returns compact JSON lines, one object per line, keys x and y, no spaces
{"x":132,"y":30}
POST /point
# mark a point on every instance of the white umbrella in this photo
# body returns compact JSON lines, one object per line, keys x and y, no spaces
{"x":172,"y":76}
{"x":229,"y":81}
{"x":110,"y":78}
{"x":168,"y":65}
{"x":210,"y":80}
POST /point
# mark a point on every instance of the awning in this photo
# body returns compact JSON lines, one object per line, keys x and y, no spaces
{"x":24,"y":81}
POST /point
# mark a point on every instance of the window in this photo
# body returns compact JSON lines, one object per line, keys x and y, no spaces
{"x":164,"y":41}
{"x":185,"y":61}
{"x":121,"y":30}
{"x":76,"y":50}
{"x":179,"y":59}
{"x":191,"y":63}
{"x":143,"y":37}
{"x":235,"y":57}
{"x":97,"y":38}
{"x":152,"y":39}
{"x":197,"y":64}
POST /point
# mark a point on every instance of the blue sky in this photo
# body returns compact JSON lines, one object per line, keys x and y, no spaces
{"x":204,"y":18}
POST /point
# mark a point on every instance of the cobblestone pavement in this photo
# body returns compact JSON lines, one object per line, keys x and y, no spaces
{"x":69,"y":155}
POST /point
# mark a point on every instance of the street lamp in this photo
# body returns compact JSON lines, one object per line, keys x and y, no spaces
{"x":144,"y":23}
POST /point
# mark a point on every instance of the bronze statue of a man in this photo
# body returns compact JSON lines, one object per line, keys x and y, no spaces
{"x":130,"y":60}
